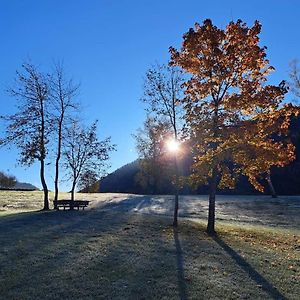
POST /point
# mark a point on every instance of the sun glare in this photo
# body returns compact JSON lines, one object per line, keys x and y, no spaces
{"x":172,"y":145}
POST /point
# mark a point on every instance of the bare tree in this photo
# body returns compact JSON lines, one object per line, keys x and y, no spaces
{"x":163,"y":95}
{"x":29,"y":128}
{"x":294,"y":74}
{"x":62,"y":93}
{"x":84,"y":152}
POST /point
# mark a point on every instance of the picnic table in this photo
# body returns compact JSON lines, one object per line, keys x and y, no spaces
{"x":71,"y":204}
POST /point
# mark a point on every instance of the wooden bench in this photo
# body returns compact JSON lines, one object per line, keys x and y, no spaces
{"x":71,"y":204}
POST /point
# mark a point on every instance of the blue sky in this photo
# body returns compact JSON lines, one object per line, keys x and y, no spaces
{"x":108,"y":45}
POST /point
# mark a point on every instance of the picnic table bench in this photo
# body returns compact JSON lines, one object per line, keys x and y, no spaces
{"x":71,"y":204}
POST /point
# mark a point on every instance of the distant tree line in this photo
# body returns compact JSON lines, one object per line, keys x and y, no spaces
{"x":47,"y":124}
{"x":7,"y":181}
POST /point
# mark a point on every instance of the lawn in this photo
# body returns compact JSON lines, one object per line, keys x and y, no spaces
{"x":123,"y":247}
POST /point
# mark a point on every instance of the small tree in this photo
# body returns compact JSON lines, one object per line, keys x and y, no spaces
{"x":232,"y":114}
{"x":89,"y":182}
{"x":163,"y":94}
{"x":154,"y":163}
{"x":83,"y":153}
{"x":7,"y":181}
{"x":62,"y":94}
{"x":29,"y":128}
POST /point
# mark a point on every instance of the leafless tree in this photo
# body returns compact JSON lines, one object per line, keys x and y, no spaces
{"x":163,"y":94}
{"x":294,"y":82}
{"x":62,"y":93}
{"x":29,"y":127}
{"x":84,"y":152}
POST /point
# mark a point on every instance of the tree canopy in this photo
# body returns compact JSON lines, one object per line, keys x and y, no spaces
{"x":232,"y":113}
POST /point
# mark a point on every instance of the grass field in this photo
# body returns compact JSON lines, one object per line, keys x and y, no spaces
{"x":123,"y":247}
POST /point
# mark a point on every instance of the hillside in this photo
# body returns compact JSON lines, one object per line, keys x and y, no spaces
{"x":122,"y":180}
{"x":286,"y":182}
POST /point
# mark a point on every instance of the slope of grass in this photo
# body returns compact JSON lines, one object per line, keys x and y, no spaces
{"x":111,"y":254}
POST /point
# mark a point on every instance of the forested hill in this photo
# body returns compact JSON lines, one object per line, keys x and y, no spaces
{"x":122,"y":180}
{"x":10,"y":182}
{"x":285,"y":180}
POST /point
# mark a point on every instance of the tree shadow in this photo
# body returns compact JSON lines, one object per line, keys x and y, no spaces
{"x":253,"y":274}
{"x":130,"y":203}
{"x":182,"y":289}
{"x":105,"y":254}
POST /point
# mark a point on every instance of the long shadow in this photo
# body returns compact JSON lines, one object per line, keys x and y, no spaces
{"x":50,"y":263}
{"x":180,"y":271}
{"x":125,"y":205}
{"x":46,"y":224}
{"x":135,"y":203}
{"x":254,"y":275}
{"x":141,"y":204}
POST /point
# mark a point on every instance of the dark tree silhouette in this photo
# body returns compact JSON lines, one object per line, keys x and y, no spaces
{"x":89,"y":182}
{"x":83,"y":153}
{"x":6,"y":180}
{"x":62,"y":94}
{"x":29,"y":127}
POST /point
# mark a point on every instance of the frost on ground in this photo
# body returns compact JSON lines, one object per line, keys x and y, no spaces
{"x":259,"y":210}
{"x":122,"y":248}
{"x":283,"y":211}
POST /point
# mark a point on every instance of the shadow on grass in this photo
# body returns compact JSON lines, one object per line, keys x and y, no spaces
{"x":253,"y":274}
{"x":104,"y":254}
{"x":15,"y":220}
{"x":112,"y":253}
{"x":128,"y":204}
{"x":18,"y":214}
{"x":180,"y":271}
{"x":137,"y":203}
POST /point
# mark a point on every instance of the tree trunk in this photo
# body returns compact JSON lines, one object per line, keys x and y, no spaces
{"x":271,"y":186}
{"x":72,"y":194}
{"x":212,"y":203}
{"x":176,"y":204}
{"x":57,"y":162}
{"x":213,"y":183}
{"x":43,"y":155}
{"x":45,"y":188}
{"x":175,"y":219}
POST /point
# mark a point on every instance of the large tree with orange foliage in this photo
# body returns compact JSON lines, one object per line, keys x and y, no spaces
{"x":233,"y":114}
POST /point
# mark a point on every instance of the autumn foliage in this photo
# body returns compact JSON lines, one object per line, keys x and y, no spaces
{"x":234,"y":116}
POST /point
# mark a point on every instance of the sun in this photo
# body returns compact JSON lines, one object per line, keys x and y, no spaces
{"x":172,"y":145}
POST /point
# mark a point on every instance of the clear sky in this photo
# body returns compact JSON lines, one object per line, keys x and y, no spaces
{"x":107,"y":45}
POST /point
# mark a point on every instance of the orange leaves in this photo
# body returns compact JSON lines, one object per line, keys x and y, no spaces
{"x":238,"y":123}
